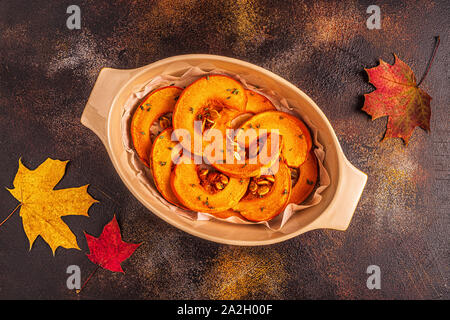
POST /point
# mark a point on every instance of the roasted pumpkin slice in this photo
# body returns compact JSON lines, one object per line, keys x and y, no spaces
{"x":187,"y":187}
{"x":249,"y":162}
{"x":307,"y":178}
{"x":220,"y":125}
{"x":161,"y":164}
{"x":257,"y":103}
{"x":255,"y":207}
{"x":296,"y":137}
{"x":201,"y":100}
{"x":155,"y":105}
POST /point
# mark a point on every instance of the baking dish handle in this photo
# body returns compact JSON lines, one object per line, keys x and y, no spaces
{"x":353,"y":183}
{"x":95,"y":114}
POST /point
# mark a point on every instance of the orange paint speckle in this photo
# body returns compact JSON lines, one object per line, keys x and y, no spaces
{"x":238,"y":273}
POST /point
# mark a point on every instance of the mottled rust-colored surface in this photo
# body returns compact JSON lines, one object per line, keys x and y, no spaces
{"x":401,"y":223}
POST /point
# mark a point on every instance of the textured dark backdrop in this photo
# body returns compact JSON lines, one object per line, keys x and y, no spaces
{"x":401,"y":223}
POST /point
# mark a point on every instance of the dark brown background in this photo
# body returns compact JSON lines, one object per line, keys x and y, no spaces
{"x":401,"y":223}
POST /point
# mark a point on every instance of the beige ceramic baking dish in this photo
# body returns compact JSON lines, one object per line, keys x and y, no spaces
{"x":102,"y":115}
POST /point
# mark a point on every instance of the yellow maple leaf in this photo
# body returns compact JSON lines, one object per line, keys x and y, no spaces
{"x":41,"y":207}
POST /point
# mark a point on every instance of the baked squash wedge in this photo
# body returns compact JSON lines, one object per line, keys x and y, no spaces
{"x":258,"y":206}
{"x":257,"y":103}
{"x":250,"y":162}
{"x":155,"y":105}
{"x":198,"y":196}
{"x":307,"y":178}
{"x":161,"y":164}
{"x":296,"y":137}
{"x":203,"y":100}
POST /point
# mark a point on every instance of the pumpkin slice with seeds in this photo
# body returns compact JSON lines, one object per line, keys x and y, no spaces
{"x":296,"y":137}
{"x":155,"y":105}
{"x":250,"y":162}
{"x":199,"y":101}
{"x":196,"y":195}
{"x":221,"y":123}
{"x":264,"y":201}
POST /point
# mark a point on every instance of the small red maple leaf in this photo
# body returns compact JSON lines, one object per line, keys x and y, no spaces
{"x":108,"y":250}
{"x":398,"y":96}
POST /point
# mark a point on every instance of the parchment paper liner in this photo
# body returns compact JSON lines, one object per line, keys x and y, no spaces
{"x":191,"y":74}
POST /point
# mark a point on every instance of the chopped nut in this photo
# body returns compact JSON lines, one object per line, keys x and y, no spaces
{"x":203,"y":173}
{"x":263,"y":190}
{"x":223,"y":179}
{"x":219,"y":185}
{"x":294,"y":173}
{"x":212,"y":176}
{"x":214,"y":114}
{"x":165,"y":121}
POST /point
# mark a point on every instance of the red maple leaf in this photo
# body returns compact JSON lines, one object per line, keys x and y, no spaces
{"x":398,"y":96}
{"x":108,"y":250}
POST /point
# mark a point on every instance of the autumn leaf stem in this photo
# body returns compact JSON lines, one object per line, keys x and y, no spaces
{"x":89,"y":278}
{"x":436,"y":46}
{"x":18,"y":206}
{"x":106,"y":195}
